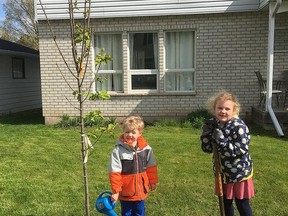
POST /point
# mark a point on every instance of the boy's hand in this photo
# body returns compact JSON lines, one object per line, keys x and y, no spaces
{"x":152,"y":187}
{"x":114,"y":197}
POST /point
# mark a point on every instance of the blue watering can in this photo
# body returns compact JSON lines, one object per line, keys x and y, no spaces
{"x":104,"y":204}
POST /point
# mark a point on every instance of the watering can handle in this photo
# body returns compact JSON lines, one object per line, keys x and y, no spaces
{"x":105,"y":192}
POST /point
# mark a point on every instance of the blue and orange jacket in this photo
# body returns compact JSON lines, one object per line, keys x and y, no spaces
{"x":132,"y":170}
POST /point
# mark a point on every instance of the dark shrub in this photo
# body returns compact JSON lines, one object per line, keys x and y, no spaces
{"x":198,"y":117}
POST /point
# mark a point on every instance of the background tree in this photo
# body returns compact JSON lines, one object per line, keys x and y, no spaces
{"x":19,"y":25}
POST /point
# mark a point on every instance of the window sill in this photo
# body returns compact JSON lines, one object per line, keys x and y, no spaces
{"x":118,"y":94}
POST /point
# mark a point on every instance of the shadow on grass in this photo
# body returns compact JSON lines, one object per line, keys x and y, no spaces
{"x":259,"y":131}
{"x":26,"y":117}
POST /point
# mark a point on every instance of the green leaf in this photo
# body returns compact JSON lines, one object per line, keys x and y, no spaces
{"x":104,"y":95}
{"x":75,"y":93}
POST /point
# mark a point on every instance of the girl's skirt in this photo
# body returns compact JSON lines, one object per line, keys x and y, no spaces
{"x":239,"y":190}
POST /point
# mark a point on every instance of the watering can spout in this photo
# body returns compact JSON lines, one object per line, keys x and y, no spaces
{"x":104,"y":204}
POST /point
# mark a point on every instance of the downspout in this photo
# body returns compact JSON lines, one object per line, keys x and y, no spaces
{"x":94,"y":69}
{"x":272,"y":12}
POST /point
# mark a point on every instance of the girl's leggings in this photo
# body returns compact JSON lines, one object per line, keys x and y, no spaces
{"x":243,"y":207}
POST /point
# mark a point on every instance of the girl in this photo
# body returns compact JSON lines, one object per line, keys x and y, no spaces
{"x":233,"y":138}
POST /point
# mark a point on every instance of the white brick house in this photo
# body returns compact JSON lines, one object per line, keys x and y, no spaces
{"x":168,"y":56}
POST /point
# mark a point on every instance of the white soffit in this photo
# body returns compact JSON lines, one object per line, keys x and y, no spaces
{"x":283,"y":7}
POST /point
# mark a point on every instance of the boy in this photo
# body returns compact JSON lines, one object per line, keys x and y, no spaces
{"x":133,"y":169}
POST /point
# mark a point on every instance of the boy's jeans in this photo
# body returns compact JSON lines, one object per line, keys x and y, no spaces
{"x":133,"y":208}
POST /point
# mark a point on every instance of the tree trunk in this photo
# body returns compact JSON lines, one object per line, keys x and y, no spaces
{"x":84,"y":153}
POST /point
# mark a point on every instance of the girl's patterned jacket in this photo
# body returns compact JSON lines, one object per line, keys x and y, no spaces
{"x":236,"y":162}
{"x":132,"y":170}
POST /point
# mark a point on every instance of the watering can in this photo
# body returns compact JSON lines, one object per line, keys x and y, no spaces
{"x":104,"y":204}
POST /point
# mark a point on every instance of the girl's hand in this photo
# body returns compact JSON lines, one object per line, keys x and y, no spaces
{"x":114,"y":197}
{"x":152,"y":187}
{"x":206,"y":129}
{"x":217,"y":134}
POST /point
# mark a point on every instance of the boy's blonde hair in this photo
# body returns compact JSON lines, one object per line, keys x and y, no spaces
{"x":133,"y":123}
{"x":223,"y":96}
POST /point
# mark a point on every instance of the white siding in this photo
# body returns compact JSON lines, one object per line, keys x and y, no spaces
{"x":57,"y":9}
{"x":19,"y":94}
{"x":263,"y":3}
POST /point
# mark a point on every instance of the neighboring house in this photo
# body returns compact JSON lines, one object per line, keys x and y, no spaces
{"x":168,"y":56}
{"x":20,"y":86}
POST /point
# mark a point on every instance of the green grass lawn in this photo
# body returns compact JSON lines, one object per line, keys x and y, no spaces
{"x":41,"y":171}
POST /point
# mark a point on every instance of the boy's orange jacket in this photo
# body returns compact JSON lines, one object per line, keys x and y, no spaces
{"x":131,"y":171}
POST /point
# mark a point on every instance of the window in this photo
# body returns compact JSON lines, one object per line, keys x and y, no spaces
{"x":179,"y":61}
{"x":280,"y":39}
{"x":143,"y":63}
{"x":112,"y":72}
{"x":18,"y":69}
{"x":143,"y":50}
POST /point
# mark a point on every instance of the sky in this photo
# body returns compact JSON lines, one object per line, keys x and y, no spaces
{"x":2,"y":14}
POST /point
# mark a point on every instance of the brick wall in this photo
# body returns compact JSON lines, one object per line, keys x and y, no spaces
{"x":229,"y":48}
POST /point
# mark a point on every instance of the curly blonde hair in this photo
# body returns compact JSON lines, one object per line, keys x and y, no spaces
{"x":223,"y":96}
{"x":133,"y":123}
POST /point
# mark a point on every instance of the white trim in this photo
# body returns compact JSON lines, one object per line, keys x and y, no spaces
{"x":57,"y":9}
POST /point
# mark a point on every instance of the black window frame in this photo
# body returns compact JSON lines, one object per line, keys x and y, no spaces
{"x":20,"y":73}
